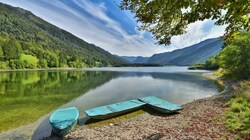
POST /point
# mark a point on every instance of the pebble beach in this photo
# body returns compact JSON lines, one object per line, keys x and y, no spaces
{"x":200,"y":119}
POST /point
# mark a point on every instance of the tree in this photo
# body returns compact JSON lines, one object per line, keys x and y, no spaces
{"x":12,"y":49}
{"x":167,"y":18}
{"x":235,"y":58}
{"x":212,"y":63}
{"x":1,"y":54}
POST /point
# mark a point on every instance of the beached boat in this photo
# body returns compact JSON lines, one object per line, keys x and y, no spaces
{"x":113,"y":110}
{"x":160,"y":104}
{"x":63,"y":120}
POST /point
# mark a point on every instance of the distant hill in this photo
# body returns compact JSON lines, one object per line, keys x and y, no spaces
{"x":27,"y":41}
{"x":197,"y":53}
{"x":135,"y":59}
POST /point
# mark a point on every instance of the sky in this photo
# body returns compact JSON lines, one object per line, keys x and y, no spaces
{"x":102,"y":23}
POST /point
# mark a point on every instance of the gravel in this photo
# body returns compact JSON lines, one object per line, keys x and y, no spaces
{"x":201,"y":119}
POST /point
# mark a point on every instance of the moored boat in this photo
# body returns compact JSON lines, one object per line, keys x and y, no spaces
{"x":112,"y":110}
{"x":64,"y":120}
{"x":160,"y":104}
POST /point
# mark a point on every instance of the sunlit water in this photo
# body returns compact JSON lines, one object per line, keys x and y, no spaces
{"x":92,"y":87}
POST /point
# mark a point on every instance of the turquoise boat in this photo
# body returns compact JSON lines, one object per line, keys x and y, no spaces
{"x":160,"y":104}
{"x":63,"y":120}
{"x":112,"y":110}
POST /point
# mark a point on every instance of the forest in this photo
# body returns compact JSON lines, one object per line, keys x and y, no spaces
{"x":29,"y":42}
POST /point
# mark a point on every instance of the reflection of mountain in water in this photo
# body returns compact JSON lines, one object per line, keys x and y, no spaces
{"x":183,"y":77}
{"x":177,"y":87}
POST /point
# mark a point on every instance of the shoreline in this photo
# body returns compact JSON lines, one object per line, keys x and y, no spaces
{"x":129,"y":128}
{"x":23,"y":132}
{"x":200,"y":119}
{"x":71,"y":68}
{"x":42,"y":69}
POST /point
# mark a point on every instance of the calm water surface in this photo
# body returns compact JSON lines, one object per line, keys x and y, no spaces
{"x":176,"y":84}
{"x":92,"y":87}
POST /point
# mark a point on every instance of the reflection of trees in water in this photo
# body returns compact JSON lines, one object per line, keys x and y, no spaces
{"x":26,"y":96}
{"x":14,"y":84}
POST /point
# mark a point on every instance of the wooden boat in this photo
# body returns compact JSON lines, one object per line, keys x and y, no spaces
{"x":160,"y":104}
{"x":113,"y":110}
{"x":63,"y":120}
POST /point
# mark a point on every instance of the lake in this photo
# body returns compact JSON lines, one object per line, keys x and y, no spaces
{"x":25,"y":96}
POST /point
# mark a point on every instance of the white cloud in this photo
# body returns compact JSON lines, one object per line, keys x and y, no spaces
{"x":100,"y":29}
{"x":197,"y":32}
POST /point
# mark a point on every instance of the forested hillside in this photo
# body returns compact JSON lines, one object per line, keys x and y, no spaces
{"x":135,"y":59}
{"x":27,"y":41}
{"x":197,"y":53}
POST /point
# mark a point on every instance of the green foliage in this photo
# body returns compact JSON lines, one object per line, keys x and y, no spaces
{"x":43,"y":63}
{"x":1,"y":54}
{"x":21,"y":32}
{"x":29,"y":61}
{"x":166,"y":18}
{"x":234,"y":59}
{"x":3,"y":65}
{"x":238,"y":116}
{"x":212,"y":63}
{"x":11,"y":49}
{"x":199,"y":66}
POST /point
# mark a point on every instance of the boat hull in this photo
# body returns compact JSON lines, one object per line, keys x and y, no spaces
{"x":160,"y":105}
{"x":113,"y":110}
{"x":107,"y":116}
{"x":162,"y":110}
{"x":65,"y":131}
{"x":64,"y":120}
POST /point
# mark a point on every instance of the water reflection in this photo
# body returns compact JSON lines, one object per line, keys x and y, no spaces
{"x":26,"y":96}
{"x":176,"y":87}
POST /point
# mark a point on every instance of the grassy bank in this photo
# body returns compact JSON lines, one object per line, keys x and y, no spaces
{"x":238,"y":114}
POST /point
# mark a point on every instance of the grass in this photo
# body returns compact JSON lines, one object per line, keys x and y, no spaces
{"x":197,"y":67}
{"x":238,"y":114}
{"x":218,"y":73}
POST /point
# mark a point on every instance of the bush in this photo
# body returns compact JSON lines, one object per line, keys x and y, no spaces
{"x":29,"y":61}
{"x":3,"y":65}
{"x":238,"y":116}
{"x":212,"y":63}
{"x":235,"y":58}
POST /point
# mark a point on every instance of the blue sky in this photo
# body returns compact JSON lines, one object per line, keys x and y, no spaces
{"x":102,"y":23}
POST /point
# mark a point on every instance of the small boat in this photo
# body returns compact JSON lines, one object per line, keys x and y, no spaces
{"x":160,"y":104}
{"x":113,"y":110}
{"x":63,"y":120}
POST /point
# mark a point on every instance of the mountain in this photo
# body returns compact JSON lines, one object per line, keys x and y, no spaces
{"x":27,"y":41}
{"x":197,"y":53}
{"x":135,"y":59}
